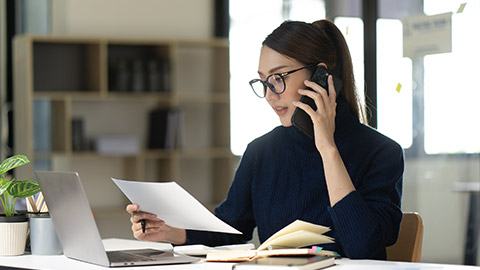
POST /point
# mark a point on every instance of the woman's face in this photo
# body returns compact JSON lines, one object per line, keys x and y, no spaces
{"x":274,"y":62}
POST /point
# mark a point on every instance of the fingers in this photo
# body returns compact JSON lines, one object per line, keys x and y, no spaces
{"x":151,"y":227}
{"x":324,"y":101}
{"x":138,"y":216}
{"x":316,"y":97}
{"x":132,"y":208}
{"x":332,"y":94}
{"x":319,"y":94}
{"x":304,"y":107}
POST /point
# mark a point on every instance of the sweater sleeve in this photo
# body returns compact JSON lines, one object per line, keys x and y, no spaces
{"x":368,"y":219}
{"x":236,"y":210}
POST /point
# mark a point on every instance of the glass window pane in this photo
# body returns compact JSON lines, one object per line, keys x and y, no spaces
{"x":433,"y":7}
{"x":352,"y":30}
{"x":251,"y":22}
{"x":394,"y":101}
{"x":451,"y":88}
{"x":307,"y":10}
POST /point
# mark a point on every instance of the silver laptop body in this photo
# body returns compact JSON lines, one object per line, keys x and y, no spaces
{"x":77,"y":231}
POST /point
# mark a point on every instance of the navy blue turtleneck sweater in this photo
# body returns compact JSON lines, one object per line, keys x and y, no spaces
{"x":281,"y":178}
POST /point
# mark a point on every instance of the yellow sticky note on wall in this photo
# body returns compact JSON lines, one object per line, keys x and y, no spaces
{"x":399,"y":86}
{"x":461,"y":8}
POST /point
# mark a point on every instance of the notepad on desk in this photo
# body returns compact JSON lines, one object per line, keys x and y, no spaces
{"x":202,"y":250}
{"x":287,"y":263}
{"x":286,"y":242}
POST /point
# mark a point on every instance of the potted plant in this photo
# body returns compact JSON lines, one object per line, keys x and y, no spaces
{"x":13,"y":226}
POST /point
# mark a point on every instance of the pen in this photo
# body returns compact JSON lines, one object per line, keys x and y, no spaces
{"x":143,"y":225}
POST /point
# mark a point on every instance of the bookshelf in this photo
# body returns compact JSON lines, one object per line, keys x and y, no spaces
{"x":108,"y":87}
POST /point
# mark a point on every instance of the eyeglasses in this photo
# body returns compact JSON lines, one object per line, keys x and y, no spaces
{"x":275,"y":82}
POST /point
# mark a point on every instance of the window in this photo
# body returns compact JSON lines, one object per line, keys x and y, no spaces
{"x":451,"y":84}
{"x":352,"y":30}
{"x":394,"y":83}
{"x":251,"y":22}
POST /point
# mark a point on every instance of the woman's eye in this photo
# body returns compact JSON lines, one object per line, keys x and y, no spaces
{"x":275,"y":79}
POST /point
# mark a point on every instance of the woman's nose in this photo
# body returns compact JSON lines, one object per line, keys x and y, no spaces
{"x":270,"y":95}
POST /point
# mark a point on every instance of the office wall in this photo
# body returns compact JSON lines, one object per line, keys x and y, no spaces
{"x":133,"y":18}
{"x":428,"y":189}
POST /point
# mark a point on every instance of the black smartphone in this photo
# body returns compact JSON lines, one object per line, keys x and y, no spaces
{"x":300,"y":119}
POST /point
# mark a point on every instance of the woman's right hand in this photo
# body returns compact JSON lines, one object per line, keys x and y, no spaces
{"x":155,"y":229}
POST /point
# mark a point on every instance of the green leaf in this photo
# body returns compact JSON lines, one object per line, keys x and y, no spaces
{"x":4,"y":185}
{"x":13,"y":162}
{"x":23,"y":189}
{"x":3,"y":181}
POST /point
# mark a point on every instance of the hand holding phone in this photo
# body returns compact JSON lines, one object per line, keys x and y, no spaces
{"x":300,"y":118}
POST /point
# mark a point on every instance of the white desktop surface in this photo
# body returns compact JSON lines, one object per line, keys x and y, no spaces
{"x":61,"y":262}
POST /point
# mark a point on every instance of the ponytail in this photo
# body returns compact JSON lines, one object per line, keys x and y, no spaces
{"x":343,"y":67}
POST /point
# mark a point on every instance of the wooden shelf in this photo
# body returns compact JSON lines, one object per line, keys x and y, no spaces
{"x":111,"y":96}
{"x":213,"y":98}
{"x":203,"y":153}
{"x":113,"y":85}
{"x":159,"y":154}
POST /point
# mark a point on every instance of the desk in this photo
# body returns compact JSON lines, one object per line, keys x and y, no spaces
{"x":61,"y":262}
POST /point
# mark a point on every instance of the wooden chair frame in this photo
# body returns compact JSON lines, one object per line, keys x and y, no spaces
{"x":408,"y":247}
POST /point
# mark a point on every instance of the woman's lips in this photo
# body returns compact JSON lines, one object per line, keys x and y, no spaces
{"x":280,"y":110}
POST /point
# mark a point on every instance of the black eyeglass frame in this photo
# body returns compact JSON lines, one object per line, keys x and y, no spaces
{"x":271,"y":86}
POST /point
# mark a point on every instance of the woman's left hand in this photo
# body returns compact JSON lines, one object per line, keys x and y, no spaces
{"x":324,"y":117}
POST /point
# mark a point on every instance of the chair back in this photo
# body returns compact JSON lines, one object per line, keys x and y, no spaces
{"x":408,"y":247}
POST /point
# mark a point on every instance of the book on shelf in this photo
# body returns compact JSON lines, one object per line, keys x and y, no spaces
{"x":166,"y":128}
{"x":293,"y":240}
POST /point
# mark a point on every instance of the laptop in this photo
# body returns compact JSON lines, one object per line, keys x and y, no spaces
{"x":78,"y":232}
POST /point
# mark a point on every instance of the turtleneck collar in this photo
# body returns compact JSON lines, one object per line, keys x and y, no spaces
{"x":344,"y":122}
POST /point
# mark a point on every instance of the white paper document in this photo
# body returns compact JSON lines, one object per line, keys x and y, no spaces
{"x":172,"y":204}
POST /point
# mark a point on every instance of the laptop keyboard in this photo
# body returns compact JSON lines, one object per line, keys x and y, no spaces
{"x":119,"y":256}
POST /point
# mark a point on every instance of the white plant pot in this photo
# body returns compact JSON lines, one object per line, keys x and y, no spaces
{"x":13,"y":235}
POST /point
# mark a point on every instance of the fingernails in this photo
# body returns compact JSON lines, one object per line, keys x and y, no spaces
{"x":152,"y":216}
{"x":295,"y":103}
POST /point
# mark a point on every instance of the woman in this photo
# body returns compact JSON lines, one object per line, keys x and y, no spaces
{"x":348,"y":177}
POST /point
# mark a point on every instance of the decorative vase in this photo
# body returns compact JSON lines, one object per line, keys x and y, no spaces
{"x":13,"y":234}
{"x":43,"y":237}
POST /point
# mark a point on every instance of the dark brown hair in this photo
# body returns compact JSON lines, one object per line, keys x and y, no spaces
{"x":319,"y":42}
